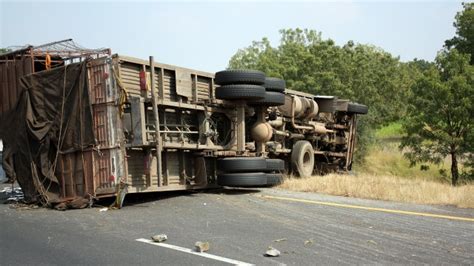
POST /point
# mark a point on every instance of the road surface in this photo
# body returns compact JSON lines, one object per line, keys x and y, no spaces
{"x":240,"y":225}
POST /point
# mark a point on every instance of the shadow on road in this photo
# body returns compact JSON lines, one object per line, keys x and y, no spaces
{"x":134,"y":199}
{"x":233,"y":191}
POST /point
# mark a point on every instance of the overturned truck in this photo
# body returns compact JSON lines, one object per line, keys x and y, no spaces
{"x":106,"y":125}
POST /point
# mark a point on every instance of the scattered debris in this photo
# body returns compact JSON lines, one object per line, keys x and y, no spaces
{"x":60,"y":206}
{"x":372,"y":242}
{"x":201,"y":246}
{"x":104,"y":209}
{"x":14,"y":194}
{"x":75,"y":203}
{"x":279,"y":240}
{"x":159,"y":238}
{"x":309,"y":242}
{"x":23,"y":206}
{"x":272,"y":252}
{"x":78,"y":203}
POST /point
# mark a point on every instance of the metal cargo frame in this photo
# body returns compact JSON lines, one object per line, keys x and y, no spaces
{"x":185,"y":101}
{"x":31,"y":59}
{"x":187,"y":162}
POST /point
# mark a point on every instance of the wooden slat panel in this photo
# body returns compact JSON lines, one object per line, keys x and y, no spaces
{"x":130,"y":77}
{"x":173,"y":167}
{"x":204,"y":85}
{"x":136,"y":168}
{"x":169,"y":83}
{"x":102,"y":171}
{"x":98,"y":83}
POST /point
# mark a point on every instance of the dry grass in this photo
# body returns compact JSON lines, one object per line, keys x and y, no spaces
{"x":387,"y":175}
{"x":382,"y":187}
{"x":386,"y":159}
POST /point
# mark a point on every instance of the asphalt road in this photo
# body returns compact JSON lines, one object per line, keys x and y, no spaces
{"x":240,"y":225}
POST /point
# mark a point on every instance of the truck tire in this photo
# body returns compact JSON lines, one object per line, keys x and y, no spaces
{"x":275,"y":165}
{"x":271,"y":99}
{"x":274,"y":179}
{"x":242,"y":164}
{"x":242,"y":179}
{"x":356,"y":108}
{"x":240,"y":92}
{"x":274,"y":84}
{"x":302,"y":158}
{"x":238,"y":76}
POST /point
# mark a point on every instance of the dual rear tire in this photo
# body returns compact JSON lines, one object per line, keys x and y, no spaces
{"x":249,"y":172}
{"x":251,"y":86}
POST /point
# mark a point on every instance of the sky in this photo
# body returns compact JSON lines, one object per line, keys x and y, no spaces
{"x":204,"y":35}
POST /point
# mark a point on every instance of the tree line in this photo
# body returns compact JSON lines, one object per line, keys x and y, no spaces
{"x":433,"y":100}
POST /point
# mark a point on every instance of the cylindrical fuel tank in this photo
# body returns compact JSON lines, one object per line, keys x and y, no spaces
{"x":303,"y":108}
{"x":313,"y":109}
{"x":261,"y":132}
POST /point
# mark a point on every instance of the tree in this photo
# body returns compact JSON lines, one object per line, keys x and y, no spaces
{"x":439,"y":120}
{"x":307,"y":62}
{"x":464,"y":24}
{"x":4,"y":50}
{"x":362,"y":73}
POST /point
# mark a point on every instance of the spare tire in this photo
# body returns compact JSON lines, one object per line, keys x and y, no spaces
{"x":242,"y":164}
{"x":274,"y":84}
{"x":274,"y":179}
{"x":271,"y":99}
{"x":356,"y":108}
{"x":275,"y":165}
{"x":239,"y":76}
{"x":242,"y":179}
{"x":240,"y":92}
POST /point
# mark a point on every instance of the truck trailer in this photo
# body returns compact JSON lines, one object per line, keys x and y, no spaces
{"x":89,"y":124}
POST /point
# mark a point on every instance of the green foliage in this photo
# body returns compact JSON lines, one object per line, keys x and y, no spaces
{"x":439,"y":120}
{"x":464,"y":41}
{"x":361,"y":73}
{"x":4,"y":50}
{"x":390,"y":131}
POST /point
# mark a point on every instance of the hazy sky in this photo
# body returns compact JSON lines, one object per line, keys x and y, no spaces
{"x":204,"y":35}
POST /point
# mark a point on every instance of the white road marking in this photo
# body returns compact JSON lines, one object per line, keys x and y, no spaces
{"x":190,"y":251}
